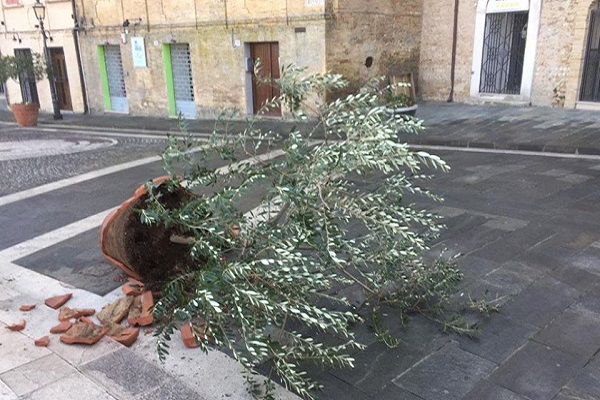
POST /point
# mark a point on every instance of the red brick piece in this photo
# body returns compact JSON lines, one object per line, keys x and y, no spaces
{"x":188,"y":336}
{"x":62,"y":327}
{"x":67,"y":313}
{"x":128,"y":336}
{"x":27,"y":307}
{"x":83,"y":333}
{"x":141,"y":310}
{"x":130,"y":290}
{"x":42,"y":342}
{"x":19,"y":326}
{"x":58,"y":301}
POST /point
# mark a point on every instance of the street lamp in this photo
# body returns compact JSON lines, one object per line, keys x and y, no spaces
{"x":40,"y":13}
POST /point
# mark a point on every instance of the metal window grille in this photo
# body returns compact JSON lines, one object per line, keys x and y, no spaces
{"x":590,"y":83}
{"x":503,"y":52}
{"x":114,"y":70}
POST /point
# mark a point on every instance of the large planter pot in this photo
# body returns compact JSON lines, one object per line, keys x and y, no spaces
{"x":26,"y":114}
{"x":112,"y":231}
{"x":153,"y":254}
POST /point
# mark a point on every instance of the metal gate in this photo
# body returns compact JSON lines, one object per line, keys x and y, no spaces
{"x":590,"y":83}
{"x":116,"y":79}
{"x":503,"y":52}
{"x":182,"y":80}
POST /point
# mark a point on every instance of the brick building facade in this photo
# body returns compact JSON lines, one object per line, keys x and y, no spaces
{"x":543,"y":53}
{"x":195,"y":56}
{"x":20,"y":33}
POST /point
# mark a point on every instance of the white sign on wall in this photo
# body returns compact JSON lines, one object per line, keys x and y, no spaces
{"x":314,"y":3}
{"x":503,"y":6}
{"x":139,"y":52}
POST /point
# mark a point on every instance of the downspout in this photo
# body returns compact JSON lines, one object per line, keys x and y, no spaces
{"x":76,"y":27}
{"x":453,"y":62}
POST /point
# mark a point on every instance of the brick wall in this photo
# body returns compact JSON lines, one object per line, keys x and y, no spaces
{"x":386,"y":30}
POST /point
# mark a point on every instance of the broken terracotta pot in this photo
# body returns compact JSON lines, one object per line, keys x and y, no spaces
{"x":187,"y":336}
{"x":111,"y":246}
{"x":62,"y":327}
{"x":42,"y":342}
{"x":83,"y":333}
{"x":19,"y":326}
{"x":67,"y":313}
{"x":27,"y":307}
{"x":141,"y":310}
{"x":126,"y":336}
{"x":115,"y":312}
{"x":58,"y":301}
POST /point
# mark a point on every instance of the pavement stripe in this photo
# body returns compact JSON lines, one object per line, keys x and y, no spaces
{"x":11,"y":198}
{"x":93,"y":222}
{"x":41,"y":242}
{"x":511,"y":152}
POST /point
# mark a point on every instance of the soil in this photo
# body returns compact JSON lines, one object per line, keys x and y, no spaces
{"x":147,"y":249}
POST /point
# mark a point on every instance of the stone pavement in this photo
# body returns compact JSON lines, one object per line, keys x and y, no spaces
{"x":527,"y":226}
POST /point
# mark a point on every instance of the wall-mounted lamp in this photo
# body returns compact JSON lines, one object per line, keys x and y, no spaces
{"x":2,"y":23}
{"x":16,"y":37}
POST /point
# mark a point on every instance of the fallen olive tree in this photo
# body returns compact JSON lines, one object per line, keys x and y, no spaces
{"x":330,"y":215}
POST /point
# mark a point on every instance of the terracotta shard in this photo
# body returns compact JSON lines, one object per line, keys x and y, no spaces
{"x":86,"y":320}
{"x":83,"y":333}
{"x":114,"y":329}
{"x":130,"y":290}
{"x":188,"y":336}
{"x":19,"y":326}
{"x":58,"y":301}
{"x":42,"y":342}
{"x":135,"y":281}
{"x":141,"y":310}
{"x":62,"y":327}
{"x":27,"y":307}
{"x":67,"y":313}
{"x":127,"y":336}
{"x":115,"y":312}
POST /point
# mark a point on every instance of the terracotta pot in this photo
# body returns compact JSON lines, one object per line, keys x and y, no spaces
{"x":26,"y":114}
{"x":110,"y":241}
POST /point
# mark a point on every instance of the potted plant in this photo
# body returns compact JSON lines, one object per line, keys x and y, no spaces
{"x":400,"y":103}
{"x":15,"y":68}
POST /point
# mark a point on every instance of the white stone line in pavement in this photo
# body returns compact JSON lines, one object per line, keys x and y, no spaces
{"x":11,"y":198}
{"x":511,"y":152}
{"x":67,"y":232}
{"x":38,"y":243}
{"x":123,"y":133}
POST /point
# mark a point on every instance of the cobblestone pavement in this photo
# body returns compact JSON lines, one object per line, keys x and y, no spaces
{"x":526,"y":223}
{"x":46,"y":163}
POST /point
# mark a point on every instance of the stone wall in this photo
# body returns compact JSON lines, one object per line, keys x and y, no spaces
{"x":387,"y":31}
{"x":558,"y":60}
{"x":436,"y":49}
{"x":218,"y":40}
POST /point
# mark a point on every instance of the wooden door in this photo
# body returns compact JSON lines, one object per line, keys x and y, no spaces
{"x":61,"y":79}
{"x":262,"y":92}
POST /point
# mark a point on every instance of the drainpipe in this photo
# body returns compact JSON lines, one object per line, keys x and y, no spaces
{"x":453,"y":63}
{"x":75,"y":31}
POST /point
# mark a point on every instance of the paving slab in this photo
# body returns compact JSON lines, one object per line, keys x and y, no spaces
{"x":585,"y":385}
{"x":500,"y":337}
{"x":447,"y":373}
{"x":486,"y":390}
{"x":36,"y":374}
{"x":17,"y":349}
{"x":541,"y":302}
{"x":6,"y":393}
{"x":575,"y":331}
{"x":537,"y":371}
{"x":124,"y":374}
{"x":74,"y":387}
